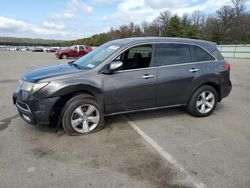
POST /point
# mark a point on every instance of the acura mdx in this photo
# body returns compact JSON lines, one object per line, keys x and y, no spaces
{"x":123,"y":76}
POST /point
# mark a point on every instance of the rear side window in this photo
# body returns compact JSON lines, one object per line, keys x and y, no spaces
{"x":199,"y":54}
{"x":169,"y":54}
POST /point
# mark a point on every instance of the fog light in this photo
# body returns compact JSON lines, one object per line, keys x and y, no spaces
{"x":26,"y":118}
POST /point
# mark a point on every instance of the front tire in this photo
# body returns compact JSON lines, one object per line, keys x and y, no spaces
{"x":64,"y":56}
{"x":82,"y":115}
{"x":203,"y":101}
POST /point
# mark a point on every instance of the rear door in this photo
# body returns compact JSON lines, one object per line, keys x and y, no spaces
{"x":176,"y":73}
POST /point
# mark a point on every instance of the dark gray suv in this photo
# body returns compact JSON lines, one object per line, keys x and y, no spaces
{"x":122,"y":76}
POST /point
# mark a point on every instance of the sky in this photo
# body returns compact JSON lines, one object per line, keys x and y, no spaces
{"x":74,"y":19}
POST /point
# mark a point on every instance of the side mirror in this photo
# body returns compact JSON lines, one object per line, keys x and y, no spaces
{"x":115,"y":65}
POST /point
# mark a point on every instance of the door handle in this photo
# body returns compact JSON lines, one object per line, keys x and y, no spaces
{"x":146,"y":76}
{"x":194,"y":70}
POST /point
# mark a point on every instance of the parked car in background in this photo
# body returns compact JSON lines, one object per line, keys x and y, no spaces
{"x":37,"y":49}
{"x":75,"y":51}
{"x":52,"y":49}
{"x":12,"y":49}
{"x":21,"y":48}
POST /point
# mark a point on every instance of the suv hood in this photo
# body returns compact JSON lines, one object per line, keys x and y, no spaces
{"x":50,"y":71}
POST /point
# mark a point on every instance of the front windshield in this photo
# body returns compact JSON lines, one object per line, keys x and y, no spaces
{"x":96,"y":57}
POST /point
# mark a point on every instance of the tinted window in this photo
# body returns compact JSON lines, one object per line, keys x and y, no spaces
{"x":199,"y":54}
{"x":169,"y":54}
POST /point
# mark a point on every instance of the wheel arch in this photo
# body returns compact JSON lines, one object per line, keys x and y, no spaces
{"x":215,"y":85}
{"x":56,"y":112}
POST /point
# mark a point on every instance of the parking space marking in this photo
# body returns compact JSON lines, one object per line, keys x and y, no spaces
{"x":165,"y":154}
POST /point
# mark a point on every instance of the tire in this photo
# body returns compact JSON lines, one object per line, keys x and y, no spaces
{"x":203,"y":101}
{"x":64,"y":56}
{"x":82,"y":115}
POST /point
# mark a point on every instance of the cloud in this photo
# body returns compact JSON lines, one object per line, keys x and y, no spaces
{"x":209,"y":6}
{"x":73,"y":8}
{"x":99,"y":2}
{"x":18,"y":27}
{"x":130,"y":10}
{"x":8,"y":24}
{"x":169,"y":4}
{"x":47,"y":30}
{"x":147,"y":10}
{"x":58,"y":25}
{"x":77,"y":5}
{"x":61,"y":16}
{"x":79,"y":18}
{"x":51,"y":25}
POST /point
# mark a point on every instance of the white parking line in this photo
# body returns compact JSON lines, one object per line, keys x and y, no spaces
{"x":165,"y":154}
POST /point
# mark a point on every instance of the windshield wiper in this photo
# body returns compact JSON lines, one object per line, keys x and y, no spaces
{"x":70,"y":63}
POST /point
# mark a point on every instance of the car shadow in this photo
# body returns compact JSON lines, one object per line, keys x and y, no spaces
{"x":121,"y":119}
{"x":144,"y":115}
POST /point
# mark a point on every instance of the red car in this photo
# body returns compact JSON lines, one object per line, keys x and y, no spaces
{"x":74,"y":51}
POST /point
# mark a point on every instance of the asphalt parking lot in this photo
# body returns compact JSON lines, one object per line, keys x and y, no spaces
{"x":163,"y":148}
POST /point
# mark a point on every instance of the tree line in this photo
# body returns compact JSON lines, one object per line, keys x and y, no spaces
{"x":230,"y":24}
{"x":28,"y":41}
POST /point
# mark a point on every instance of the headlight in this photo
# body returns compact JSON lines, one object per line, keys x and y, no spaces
{"x":33,"y":87}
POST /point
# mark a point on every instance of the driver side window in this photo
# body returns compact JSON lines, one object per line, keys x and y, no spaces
{"x":136,"y":57}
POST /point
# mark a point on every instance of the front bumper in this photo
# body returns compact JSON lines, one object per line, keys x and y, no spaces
{"x":34,"y":110}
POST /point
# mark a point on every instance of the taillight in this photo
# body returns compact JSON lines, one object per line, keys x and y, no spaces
{"x":227,"y":66}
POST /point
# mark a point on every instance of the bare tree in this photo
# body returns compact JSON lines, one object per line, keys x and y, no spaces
{"x":226,"y":15}
{"x":239,"y":6}
{"x":185,"y":20}
{"x":196,"y":18}
{"x":240,"y":25}
{"x":163,"y":20}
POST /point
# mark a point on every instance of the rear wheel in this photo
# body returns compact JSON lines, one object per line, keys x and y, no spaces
{"x":203,"y":102}
{"x":81,"y":116}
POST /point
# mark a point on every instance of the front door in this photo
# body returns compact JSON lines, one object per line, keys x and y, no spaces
{"x":133,"y":87}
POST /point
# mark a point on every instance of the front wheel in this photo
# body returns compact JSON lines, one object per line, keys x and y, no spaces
{"x":81,"y":116}
{"x":203,"y":102}
{"x":64,"y":56}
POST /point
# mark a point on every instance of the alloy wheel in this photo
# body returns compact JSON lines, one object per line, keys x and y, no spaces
{"x":85,"y":118}
{"x":205,"y":102}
